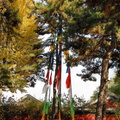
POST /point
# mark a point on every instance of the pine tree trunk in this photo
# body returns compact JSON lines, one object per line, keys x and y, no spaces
{"x":101,"y":104}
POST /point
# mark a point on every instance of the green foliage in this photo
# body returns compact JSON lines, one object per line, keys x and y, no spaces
{"x":102,"y":27}
{"x":73,"y":24}
{"x":116,"y":81}
{"x":4,"y":76}
{"x":117,"y":112}
{"x":77,"y":19}
{"x":78,"y":103}
{"x":95,"y":94}
{"x":115,"y":87}
{"x":10,"y":110}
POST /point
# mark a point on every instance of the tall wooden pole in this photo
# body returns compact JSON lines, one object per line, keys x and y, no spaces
{"x":58,"y":67}
{"x":54,"y":85}
{"x":59,"y":86}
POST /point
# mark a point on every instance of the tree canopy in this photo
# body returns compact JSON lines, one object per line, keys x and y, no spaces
{"x":19,"y":55}
{"x":90,"y":30}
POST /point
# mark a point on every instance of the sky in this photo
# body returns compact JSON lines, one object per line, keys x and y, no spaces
{"x":79,"y":87}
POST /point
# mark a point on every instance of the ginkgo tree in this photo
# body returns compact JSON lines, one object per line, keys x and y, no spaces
{"x":18,"y":40}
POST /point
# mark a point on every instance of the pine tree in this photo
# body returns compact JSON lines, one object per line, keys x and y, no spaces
{"x":78,"y":19}
{"x":102,"y":23}
{"x":53,"y":18}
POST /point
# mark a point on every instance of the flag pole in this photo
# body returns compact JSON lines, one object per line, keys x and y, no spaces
{"x":69,"y":86}
{"x":47,"y":86}
{"x":58,"y":67}
{"x":57,"y":84}
{"x":72,"y":103}
{"x":59,"y":87}
{"x":45,"y":109}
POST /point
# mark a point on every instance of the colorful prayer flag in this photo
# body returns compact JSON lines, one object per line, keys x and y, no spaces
{"x":50,"y":80}
{"x":58,"y":77}
{"x":72,"y":109}
{"x":69,"y":86}
{"x":59,"y":73}
{"x":68,"y":80}
{"x":47,"y":75}
{"x":44,"y":88}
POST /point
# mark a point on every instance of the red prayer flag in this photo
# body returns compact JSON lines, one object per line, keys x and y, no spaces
{"x":58,"y":77}
{"x":50,"y":80}
{"x":68,"y":80}
{"x":57,"y":83}
{"x":47,"y":75}
{"x":58,"y":73}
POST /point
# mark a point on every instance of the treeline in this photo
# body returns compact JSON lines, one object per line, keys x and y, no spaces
{"x":89,"y":29}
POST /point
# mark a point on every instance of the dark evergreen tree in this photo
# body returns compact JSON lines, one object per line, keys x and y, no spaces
{"x":54,"y":17}
{"x":97,"y":56}
{"x":90,"y":29}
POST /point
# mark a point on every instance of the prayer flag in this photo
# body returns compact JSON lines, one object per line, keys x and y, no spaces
{"x":50,"y":80}
{"x":68,"y":80}
{"x":59,"y":73}
{"x":69,"y":86}
{"x":72,"y":109}
{"x":44,"y":90}
{"x":58,"y":77}
{"x":47,"y":75}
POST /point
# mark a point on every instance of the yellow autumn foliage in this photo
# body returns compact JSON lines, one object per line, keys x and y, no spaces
{"x":18,"y":50}
{"x":28,"y":23}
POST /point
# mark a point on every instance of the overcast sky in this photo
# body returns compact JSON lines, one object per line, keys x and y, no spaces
{"x":79,"y":87}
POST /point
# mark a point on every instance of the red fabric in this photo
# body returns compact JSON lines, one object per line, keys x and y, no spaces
{"x":47,"y":75}
{"x":111,"y":104}
{"x":50,"y":80}
{"x":58,"y":77}
{"x":77,"y":117}
{"x":109,"y":117}
{"x":85,"y":117}
{"x":92,"y":117}
{"x":68,"y":80}
{"x":57,"y":83}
